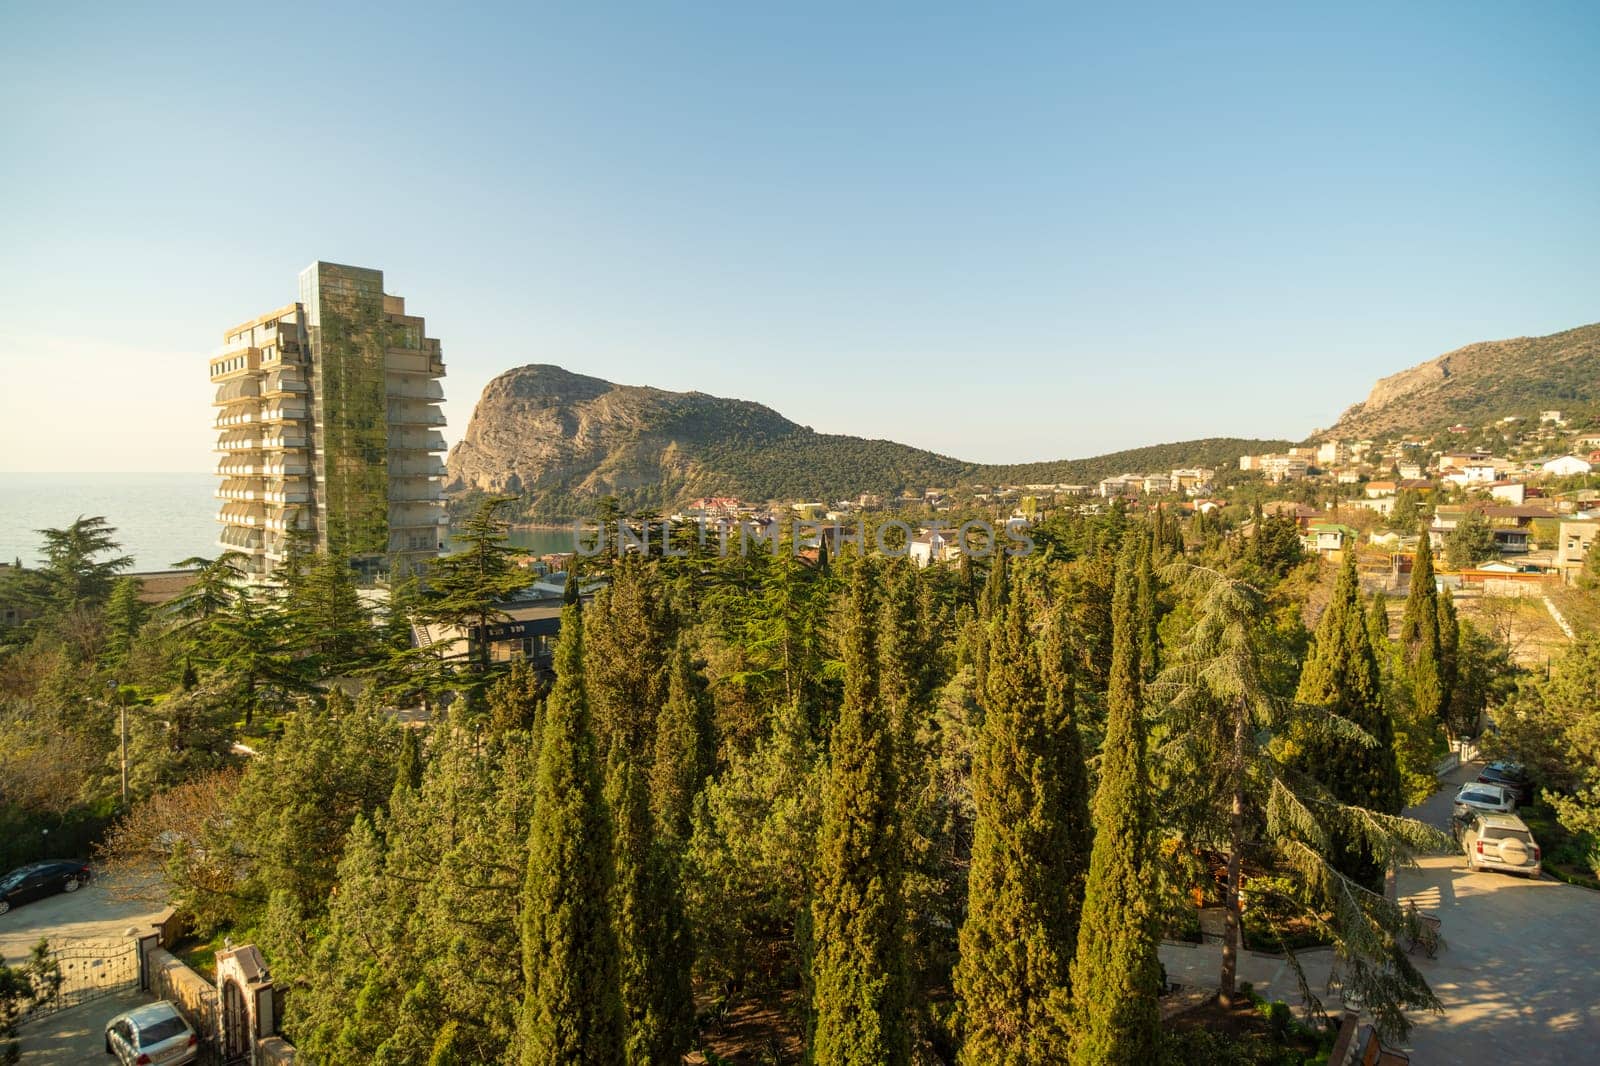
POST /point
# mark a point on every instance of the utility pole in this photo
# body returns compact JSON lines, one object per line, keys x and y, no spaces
{"x":122,"y":729}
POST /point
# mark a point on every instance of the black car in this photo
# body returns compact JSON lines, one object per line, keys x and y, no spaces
{"x":1512,"y":777}
{"x":41,"y":879}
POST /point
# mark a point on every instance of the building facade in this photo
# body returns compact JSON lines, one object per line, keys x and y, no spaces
{"x":328,"y":429}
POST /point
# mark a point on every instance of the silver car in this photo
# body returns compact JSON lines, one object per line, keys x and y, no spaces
{"x":154,"y":1034}
{"x":1480,"y":796}
{"x":1499,"y":842}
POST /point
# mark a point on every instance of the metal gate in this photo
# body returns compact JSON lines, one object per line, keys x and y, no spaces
{"x":87,"y":971}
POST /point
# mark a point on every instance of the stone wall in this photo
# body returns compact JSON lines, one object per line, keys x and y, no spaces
{"x":167,"y":977}
{"x":275,"y":1051}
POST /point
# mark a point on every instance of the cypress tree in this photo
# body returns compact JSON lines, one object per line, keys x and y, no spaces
{"x":1116,"y":974}
{"x":858,"y":961}
{"x":1028,"y":849}
{"x":1449,"y":649}
{"x":572,"y":1006}
{"x":685,"y":749}
{"x":1378,"y":625}
{"x":1341,"y":675}
{"x":408,"y":765}
{"x":1149,"y":642}
{"x":647,"y":906}
{"x":1420,"y":638}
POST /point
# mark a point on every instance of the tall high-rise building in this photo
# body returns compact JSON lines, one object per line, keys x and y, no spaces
{"x":328,"y":423}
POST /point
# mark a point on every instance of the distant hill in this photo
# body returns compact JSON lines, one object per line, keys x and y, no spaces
{"x":1480,"y":383}
{"x":560,"y":440}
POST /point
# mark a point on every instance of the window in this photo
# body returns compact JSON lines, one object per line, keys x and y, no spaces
{"x":1497,"y":833}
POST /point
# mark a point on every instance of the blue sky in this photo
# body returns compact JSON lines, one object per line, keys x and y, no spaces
{"x":1004,"y":233}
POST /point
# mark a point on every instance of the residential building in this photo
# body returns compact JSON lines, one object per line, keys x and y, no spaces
{"x":1567,"y":466}
{"x":1285,"y":467}
{"x":1512,"y":492}
{"x":328,"y":427}
{"x":1325,"y":538}
{"x":1120,"y":485}
{"x":1378,"y":489}
{"x":1332,"y":453}
{"x":1573,"y":545}
{"x":1192,"y":481}
{"x":934,"y":546}
{"x":1552,"y":416}
{"x":1409,"y":471}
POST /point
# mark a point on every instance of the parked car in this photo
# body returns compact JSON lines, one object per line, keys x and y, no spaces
{"x":1478,"y":796}
{"x":154,"y":1034}
{"x":1509,"y":775}
{"x":1498,"y":842}
{"x":41,"y":879}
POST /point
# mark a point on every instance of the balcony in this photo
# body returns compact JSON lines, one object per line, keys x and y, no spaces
{"x":241,"y":489}
{"x":412,"y":441}
{"x":239,"y":440}
{"x":414,"y":414}
{"x":242,"y":514}
{"x":238,"y":415}
{"x":239,"y":390}
{"x":236,"y":538}
{"x":283,"y":382}
{"x":278,"y":442}
{"x":413,"y":388}
{"x":284,"y":413}
{"x":431,"y":466}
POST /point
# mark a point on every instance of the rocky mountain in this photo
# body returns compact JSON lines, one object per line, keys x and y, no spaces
{"x":560,"y":440}
{"x":1480,"y":383}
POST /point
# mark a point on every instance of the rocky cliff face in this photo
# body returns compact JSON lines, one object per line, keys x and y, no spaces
{"x":1479,"y":383}
{"x":555,"y":436}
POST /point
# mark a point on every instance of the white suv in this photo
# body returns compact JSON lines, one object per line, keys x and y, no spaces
{"x":1481,"y":796}
{"x":1498,"y":842}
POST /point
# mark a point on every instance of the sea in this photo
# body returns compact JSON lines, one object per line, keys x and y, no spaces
{"x":159,"y":519}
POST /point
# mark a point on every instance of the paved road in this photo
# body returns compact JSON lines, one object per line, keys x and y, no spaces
{"x":77,"y":1036}
{"x":89,"y":914}
{"x":1520,"y":973}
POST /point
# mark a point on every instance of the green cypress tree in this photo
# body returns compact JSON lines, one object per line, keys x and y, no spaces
{"x":647,"y":906}
{"x":1116,"y":975}
{"x":1147,"y":616}
{"x":125,"y":614}
{"x":1029,"y":845}
{"x":408,"y":764}
{"x":1420,"y":638}
{"x":686,"y":749}
{"x":572,"y":1005}
{"x":1449,"y":649}
{"x":1378,"y":625}
{"x":858,"y":972}
{"x":1341,"y":675}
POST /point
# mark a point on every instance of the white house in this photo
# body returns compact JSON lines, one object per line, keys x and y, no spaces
{"x":934,"y":546}
{"x":1567,"y":465}
{"x":1513,"y":492}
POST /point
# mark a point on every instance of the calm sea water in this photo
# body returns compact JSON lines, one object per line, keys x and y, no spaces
{"x":159,"y":518}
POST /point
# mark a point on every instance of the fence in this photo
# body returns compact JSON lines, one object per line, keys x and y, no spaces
{"x":89,"y":971}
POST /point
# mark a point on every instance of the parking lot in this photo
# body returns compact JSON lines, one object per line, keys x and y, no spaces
{"x":1520,"y":974}
{"x":91,"y":915}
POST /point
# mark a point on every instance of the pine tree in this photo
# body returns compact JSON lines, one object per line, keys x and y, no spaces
{"x":125,"y":614}
{"x":858,"y":970}
{"x":627,"y":647}
{"x":466,"y":588}
{"x":1029,"y":846}
{"x":572,"y":1005}
{"x":1116,"y":975}
{"x":647,"y":907}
